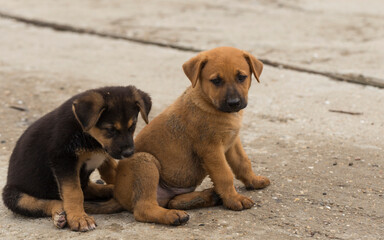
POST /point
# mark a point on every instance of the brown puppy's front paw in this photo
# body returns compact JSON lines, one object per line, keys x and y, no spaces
{"x":258,"y":182}
{"x":59,"y":219}
{"x":176,"y":217}
{"x":238,"y":202}
{"x":82,"y":222}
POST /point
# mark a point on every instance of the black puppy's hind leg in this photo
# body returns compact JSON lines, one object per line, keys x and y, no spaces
{"x":29,"y":206}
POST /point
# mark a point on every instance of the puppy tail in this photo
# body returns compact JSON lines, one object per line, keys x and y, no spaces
{"x":110,"y":206}
{"x":24,"y":204}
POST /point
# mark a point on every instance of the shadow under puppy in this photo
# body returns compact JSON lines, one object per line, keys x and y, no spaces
{"x":198,"y":135}
{"x":49,"y":168}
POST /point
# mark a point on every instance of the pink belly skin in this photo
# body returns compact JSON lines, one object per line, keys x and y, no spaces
{"x":166,"y":193}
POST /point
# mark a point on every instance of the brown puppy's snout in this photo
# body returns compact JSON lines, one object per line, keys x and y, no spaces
{"x":233,"y":102}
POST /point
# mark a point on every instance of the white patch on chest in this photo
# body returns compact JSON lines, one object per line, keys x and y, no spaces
{"x":95,"y":161}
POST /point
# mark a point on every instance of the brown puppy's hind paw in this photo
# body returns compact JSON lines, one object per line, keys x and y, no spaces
{"x":60,"y":219}
{"x":82,"y":223}
{"x":258,"y":182}
{"x":238,"y":202}
{"x":181,"y":220}
{"x":176,"y":217}
{"x":161,"y":215}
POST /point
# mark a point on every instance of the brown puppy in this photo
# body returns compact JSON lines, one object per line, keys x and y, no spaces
{"x":49,"y":169}
{"x":196,"y":136}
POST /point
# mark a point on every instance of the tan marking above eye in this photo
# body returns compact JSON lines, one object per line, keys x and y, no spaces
{"x":215,"y":75}
{"x":130,"y":123}
{"x":117,"y":125}
{"x":240,"y":72}
{"x":107,"y":125}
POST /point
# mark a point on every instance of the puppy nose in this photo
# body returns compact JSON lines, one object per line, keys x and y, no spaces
{"x":127,"y":152}
{"x":233,"y":102}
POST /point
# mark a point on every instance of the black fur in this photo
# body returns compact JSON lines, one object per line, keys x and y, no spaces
{"x":45,"y":154}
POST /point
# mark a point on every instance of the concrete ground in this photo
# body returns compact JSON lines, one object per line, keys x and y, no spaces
{"x":326,"y":168}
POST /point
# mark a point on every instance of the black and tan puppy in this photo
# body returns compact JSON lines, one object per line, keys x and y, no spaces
{"x":50,"y":166}
{"x":198,"y":135}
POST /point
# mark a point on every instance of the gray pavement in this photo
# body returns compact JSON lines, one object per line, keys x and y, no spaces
{"x":327,"y":168}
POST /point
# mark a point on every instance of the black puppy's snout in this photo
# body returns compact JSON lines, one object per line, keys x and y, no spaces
{"x":128,"y":152}
{"x":233,"y":102}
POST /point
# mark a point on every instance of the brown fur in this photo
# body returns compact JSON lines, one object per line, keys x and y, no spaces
{"x":198,"y":135}
{"x":108,"y":171}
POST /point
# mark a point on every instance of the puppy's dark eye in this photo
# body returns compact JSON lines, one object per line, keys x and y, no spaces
{"x":111,"y":131}
{"x":217,"y":81}
{"x":241,"y":78}
{"x":132,"y":127}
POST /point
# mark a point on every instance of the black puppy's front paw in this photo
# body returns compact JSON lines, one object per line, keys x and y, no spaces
{"x":60,"y":219}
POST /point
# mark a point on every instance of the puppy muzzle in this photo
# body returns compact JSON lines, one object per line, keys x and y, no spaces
{"x":232,"y":105}
{"x":125,"y":153}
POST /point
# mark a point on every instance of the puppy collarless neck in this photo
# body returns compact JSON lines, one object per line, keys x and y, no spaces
{"x":198,"y":99}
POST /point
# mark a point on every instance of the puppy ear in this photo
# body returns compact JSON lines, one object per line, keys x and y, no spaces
{"x":88,"y":109}
{"x":143,"y":101}
{"x":192,"y":68}
{"x":255,"y":65}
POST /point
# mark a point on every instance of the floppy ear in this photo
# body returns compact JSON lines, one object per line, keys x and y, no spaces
{"x":255,"y":65}
{"x":88,"y":109}
{"x":143,"y":101}
{"x":192,"y":68}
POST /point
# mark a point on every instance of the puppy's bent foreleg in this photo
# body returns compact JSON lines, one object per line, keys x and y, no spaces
{"x":222,"y":178}
{"x":241,"y":167}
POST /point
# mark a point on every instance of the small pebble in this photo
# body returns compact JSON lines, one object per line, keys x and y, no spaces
{"x":3,"y":141}
{"x":350,"y":164}
{"x":334,"y":164}
{"x":201,"y":224}
{"x":324,"y":193}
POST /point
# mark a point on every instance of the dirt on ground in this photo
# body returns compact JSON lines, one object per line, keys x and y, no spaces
{"x":320,"y":141}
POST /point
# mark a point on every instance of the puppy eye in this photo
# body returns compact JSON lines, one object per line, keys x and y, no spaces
{"x":111,"y":131}
{"x":241,"y":78}
{"x":217,"y":81}
{"x":132,"y":127}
